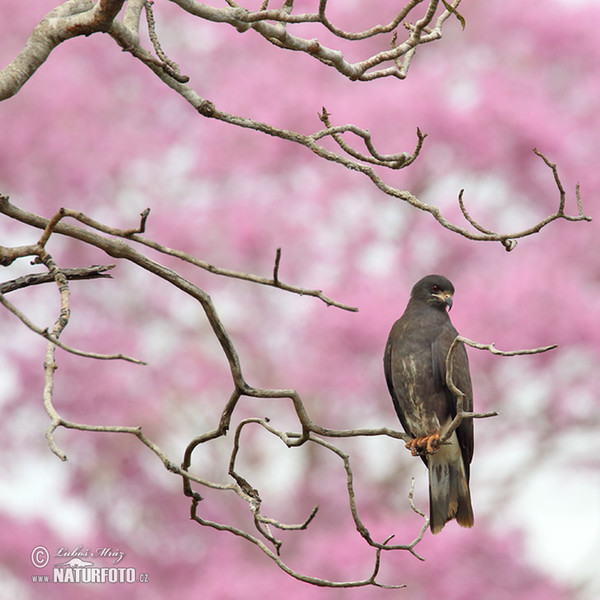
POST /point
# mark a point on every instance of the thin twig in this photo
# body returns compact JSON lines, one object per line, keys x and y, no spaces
{"x":276,"y":267}
{"x":169,"y":64}
{"x":52,"y":338}
{"x":492,"y":348}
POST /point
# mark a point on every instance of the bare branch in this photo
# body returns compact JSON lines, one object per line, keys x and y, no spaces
{"x":509,"y":240}
{"x":281,"y":564}
{"x":274,"y":26}
{"x":291,"y":439}
{"x":80,"y":273}
{"x":459,"y":394}
{"x":83,"y":17}
{"x":51,"y":338}
{"x":169,"y":65}
{"x":354,"y":160}
{"x":260,"y":520}
{"x":492,"y":348}
{"x":245,"y":492}
{"x":118,"y":249}
{"x":277,"y":26}
{"x":71,"y":19}
{"x":364,"y":532}
{"x":392,"y":161}
{"x":49,"y":363}
{"x":288,"y":527}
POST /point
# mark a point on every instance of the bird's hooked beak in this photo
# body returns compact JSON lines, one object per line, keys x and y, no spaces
{"x":446,"y":298}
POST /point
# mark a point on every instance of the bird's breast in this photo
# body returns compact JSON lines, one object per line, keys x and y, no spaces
{"x":416,"y":398}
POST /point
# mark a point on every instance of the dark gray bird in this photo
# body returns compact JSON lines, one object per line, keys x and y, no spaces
{"x":415,"y":370}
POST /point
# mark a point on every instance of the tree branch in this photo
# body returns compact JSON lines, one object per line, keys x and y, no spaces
{"x":83,"y":17}
{"x":509,"y":241}
{"x":76,"y":274}
{"x":308,"y":433}
{"x":119,"y":249}
{"x":54,"y":339}
{"x":459,"y":394}
{"x":71,"y":19}
{"x":360,"y":162}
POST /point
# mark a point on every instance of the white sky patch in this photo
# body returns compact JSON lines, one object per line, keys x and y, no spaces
{"x":564,"y":530}
{"x":23,"y":484}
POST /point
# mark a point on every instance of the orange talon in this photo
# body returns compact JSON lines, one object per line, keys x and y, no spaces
{"x":424,"y":444}
{"x":412,"y":446}
{"x":433,"y":442}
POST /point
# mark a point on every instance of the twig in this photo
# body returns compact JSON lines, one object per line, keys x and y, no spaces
{"x":276,"y":267}
{"x":52,"y":338}
{"x":142,"y":226}
{"x":509,"y":241}
{"x":80,"y":273}
{"x":292,"y":527}
{"x":170,"y":65}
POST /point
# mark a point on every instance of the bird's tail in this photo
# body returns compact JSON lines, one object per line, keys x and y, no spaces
{"x":449,"y":495}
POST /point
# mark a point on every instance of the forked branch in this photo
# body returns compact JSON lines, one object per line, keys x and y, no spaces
{"x":459,"y":394}
{"x":84,"y":17}
{"x":112,"y":241}
{"x":264,"y":538}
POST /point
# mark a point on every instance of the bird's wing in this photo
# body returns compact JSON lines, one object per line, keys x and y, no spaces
{"x":387,"y":367}
{"x":461,"y":379}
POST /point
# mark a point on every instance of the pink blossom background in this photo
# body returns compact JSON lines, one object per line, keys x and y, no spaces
{"x":96,"y":131}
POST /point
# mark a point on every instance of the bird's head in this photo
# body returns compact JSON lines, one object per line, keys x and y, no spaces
{"x":435,"y":290}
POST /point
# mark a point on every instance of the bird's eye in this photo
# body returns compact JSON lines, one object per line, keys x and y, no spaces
{"x":435,"y":288}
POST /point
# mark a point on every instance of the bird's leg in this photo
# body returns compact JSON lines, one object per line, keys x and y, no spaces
{"x":428,"y":444}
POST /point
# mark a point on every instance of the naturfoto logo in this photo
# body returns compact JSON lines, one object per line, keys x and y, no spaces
{"x":81,"y":566}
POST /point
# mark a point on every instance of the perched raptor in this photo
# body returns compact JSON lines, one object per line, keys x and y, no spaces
{"x":415,"y":370}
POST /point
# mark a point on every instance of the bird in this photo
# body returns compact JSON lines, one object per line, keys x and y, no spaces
{"x":415,"y":370}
